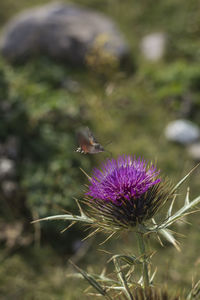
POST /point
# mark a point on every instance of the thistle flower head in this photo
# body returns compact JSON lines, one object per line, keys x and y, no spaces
{"x":125,"y":192}
{"x":122,"y":180}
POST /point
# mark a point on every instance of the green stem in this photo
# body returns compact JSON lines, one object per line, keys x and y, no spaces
{"x":141,"y":246}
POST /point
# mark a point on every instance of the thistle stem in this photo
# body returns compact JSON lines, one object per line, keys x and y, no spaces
{"x":141,"y":246}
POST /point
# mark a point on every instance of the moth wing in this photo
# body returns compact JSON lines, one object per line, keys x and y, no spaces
{"x":83,"y":138}
{"x":95,"y":146}
{"x":91,"y":136}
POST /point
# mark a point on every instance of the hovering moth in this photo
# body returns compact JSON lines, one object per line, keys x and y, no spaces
{"x":87,"y":142}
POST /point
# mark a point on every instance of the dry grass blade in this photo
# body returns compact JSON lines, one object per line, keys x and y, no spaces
{"x":181,"y":212}
{"x":169,"y":213}
{"x":170,"y":238}
{"x":86,"y":174}
{"x":195,"y":292}
{"x":79,"y":207}
{"x":122,"y":280}
{"x":129,"y":259}
{"x":91,"y":234}
{"x":153,"y":276}
{"x":91,"y":281}
{"x":113,"y":233}
{"x":66,"y":228}
{"x":184,"y":178}
{"x":187,"y":198}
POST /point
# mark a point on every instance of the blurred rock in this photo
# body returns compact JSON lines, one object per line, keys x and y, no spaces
{"x":153,"y":46}
{"x":194,"y":151}
{"x":182,"y":131}
{"x":62,"y":31}
{"x":13,"y":235}
{"x":7,"y":168}
{"x":109,"y":88}
{"x":9,"y":188}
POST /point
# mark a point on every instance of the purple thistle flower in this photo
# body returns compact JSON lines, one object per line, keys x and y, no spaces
{"x":122,"y":180}
{"x":125,"y":192}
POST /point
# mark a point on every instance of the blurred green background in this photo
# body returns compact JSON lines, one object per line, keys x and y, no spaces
{"x":130,"y":109}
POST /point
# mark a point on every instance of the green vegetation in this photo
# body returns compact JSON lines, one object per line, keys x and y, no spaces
{"x":46,"y":102}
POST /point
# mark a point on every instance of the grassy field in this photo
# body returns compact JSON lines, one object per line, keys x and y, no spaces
{"x":128,"y":109}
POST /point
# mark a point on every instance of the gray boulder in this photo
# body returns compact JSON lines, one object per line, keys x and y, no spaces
{"x":182,"y":131}
{"x":7,"y":168}
{"x":62,"y":31}
{"x":194,"y":151}
{"x":153,"y":46}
